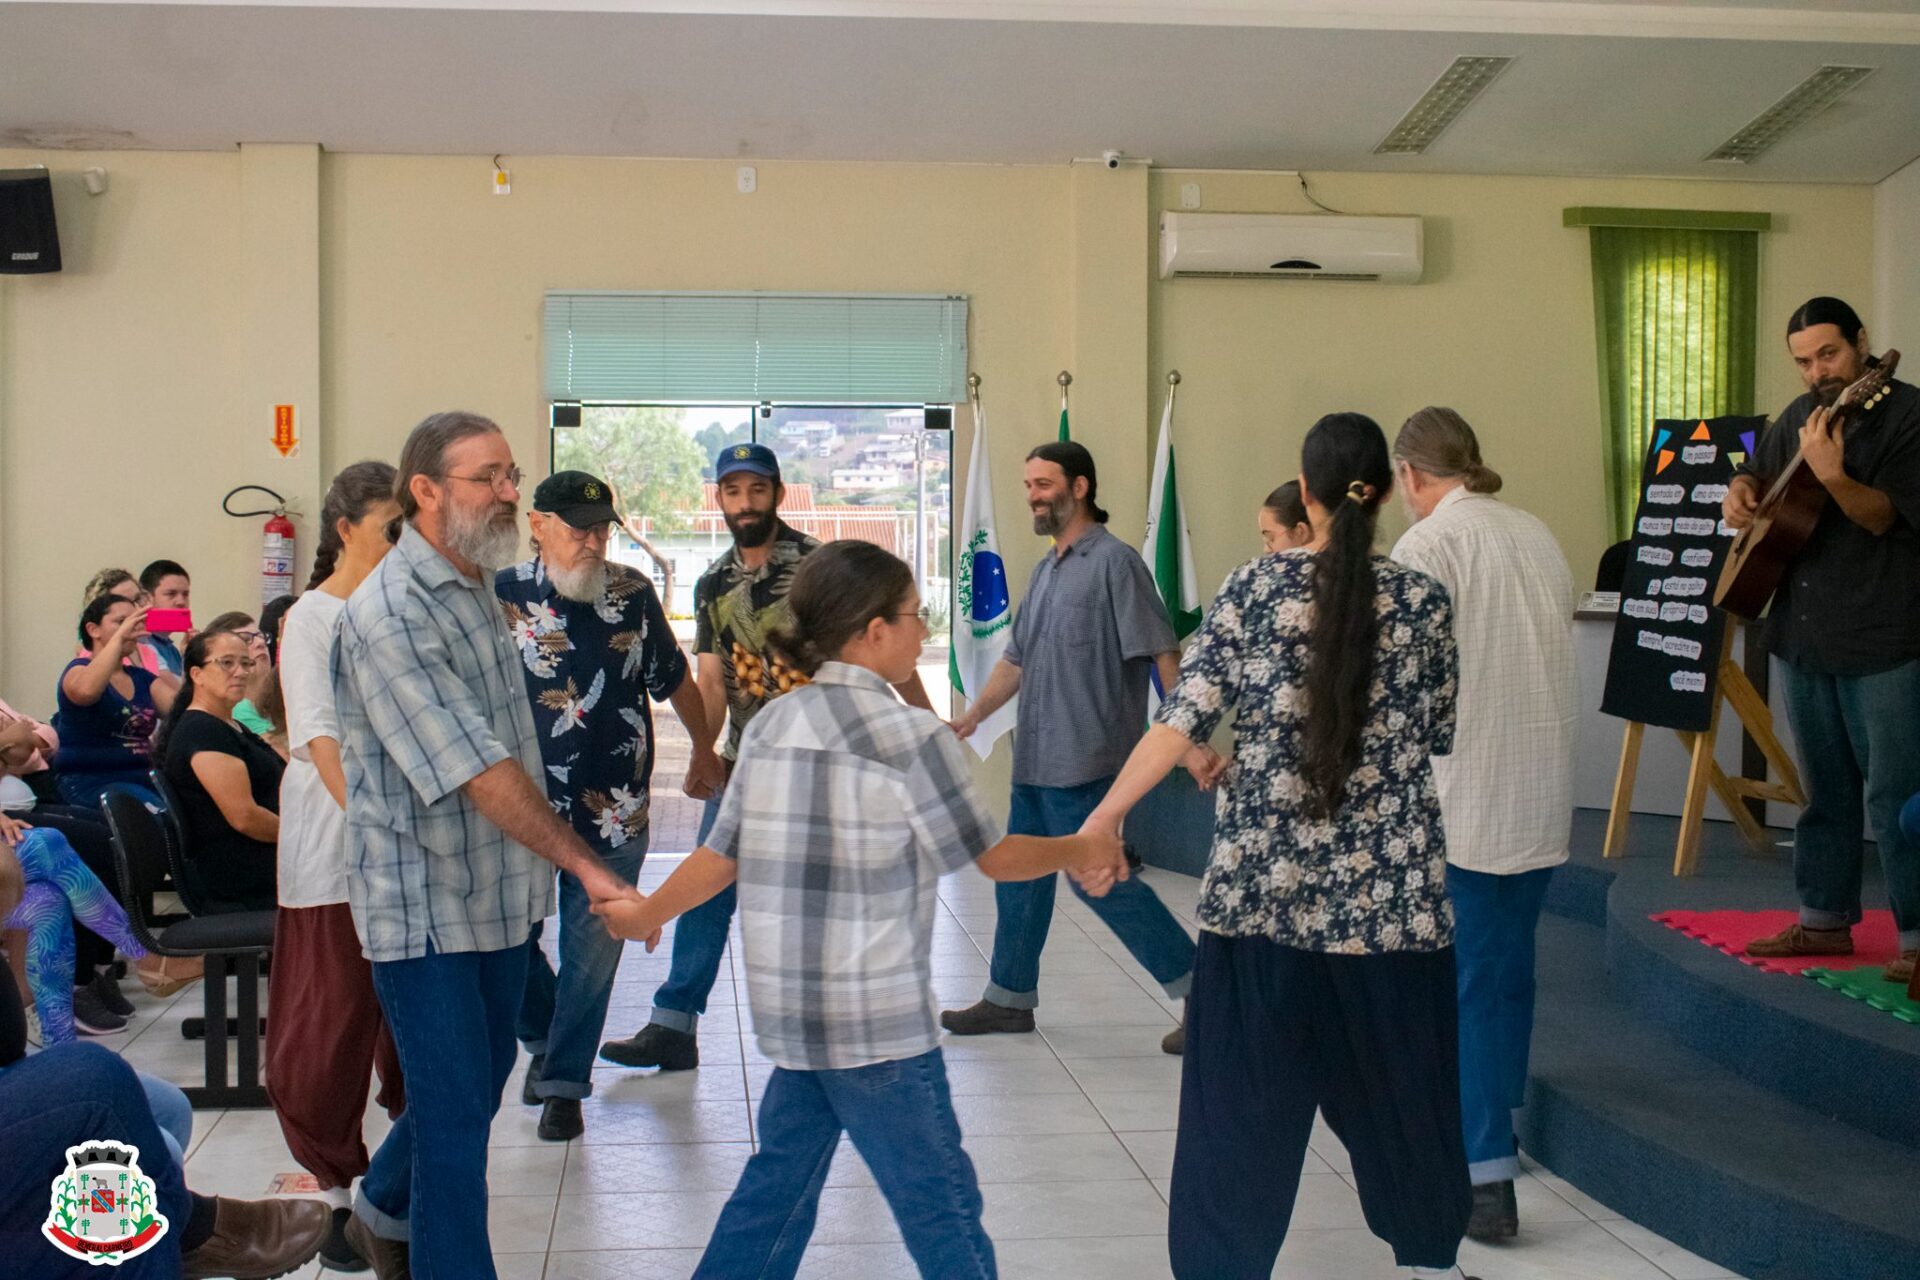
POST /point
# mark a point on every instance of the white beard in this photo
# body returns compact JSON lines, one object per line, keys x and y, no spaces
{"x":583,"y":584}
{"x":477,"y":538}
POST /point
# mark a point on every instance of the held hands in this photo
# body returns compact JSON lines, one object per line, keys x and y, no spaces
{"x":706,"y":775}
{"x":1823,"y":449}
{"x":1742,"y":500}
{"x":1206,"y":765}
{"x":628,"y":918}
{"x":963,"y":726}
{"x":1106,"y":860}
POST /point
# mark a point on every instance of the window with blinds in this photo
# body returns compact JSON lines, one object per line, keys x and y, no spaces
{"x":713,"y":347}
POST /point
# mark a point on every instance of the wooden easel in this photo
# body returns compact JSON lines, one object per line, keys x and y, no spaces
{"x":1704,"y":771}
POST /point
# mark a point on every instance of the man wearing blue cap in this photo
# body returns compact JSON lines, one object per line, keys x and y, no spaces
{"x":738,"y":601}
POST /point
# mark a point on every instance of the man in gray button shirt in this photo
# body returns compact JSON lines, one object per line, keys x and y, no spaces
{"x":1087,"y":637}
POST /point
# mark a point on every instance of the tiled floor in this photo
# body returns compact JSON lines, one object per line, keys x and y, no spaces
{"x":1071,"y":1130}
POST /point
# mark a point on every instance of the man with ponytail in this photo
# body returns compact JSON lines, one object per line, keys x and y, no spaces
{"x":1089,"y":632}
{"x":1506,"y":791}
{"x":1325,"y":973}
{"x":449,"y":837}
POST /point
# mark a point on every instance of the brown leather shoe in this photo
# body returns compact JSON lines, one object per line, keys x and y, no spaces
{"x":389,"y":1258}
{"x":1901,"y":970}
{"x":259,"y":1239}
{"x":986,"y":1018}
{"x":1798,"y":940}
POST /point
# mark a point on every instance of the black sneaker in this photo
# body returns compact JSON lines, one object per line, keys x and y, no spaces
{"x":527,"y":1095}
{"x":108,"y":989}
{"x":986,"y":1017}
{"x":337,"y":1252}
{"x":1175,"y":1041}
{"x":1496,"y":1212}
{"x":560,"y":1120}
{"x":655,"y":1046}
{"x":91,"y":1017}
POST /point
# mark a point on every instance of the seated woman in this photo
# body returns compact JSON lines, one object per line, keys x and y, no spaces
{"x":107,"y":709}
{"x":246,"y":712}
{"x":227,"y":780}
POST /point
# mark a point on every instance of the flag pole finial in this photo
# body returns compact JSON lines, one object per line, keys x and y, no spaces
{"x":1065,"y":379}
{"x":1173,"y":379}
{"x":973,"y":384}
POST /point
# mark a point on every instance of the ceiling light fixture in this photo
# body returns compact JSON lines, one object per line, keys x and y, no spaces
{"x":1806,"y":100}
{"x":1441,"y":105}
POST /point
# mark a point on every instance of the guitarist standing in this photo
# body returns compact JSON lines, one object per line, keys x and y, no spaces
{"x":1845,"y":625}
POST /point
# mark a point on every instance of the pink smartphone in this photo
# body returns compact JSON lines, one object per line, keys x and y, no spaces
{"x":167,"y":622}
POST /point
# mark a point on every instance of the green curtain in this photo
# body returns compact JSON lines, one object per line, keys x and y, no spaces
{"x":1674,"y":312}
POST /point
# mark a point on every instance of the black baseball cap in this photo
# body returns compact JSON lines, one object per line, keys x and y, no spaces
{"x":746,"y":457}
{"x":582,"y":500}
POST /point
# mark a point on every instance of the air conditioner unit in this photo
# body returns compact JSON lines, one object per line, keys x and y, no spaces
{"x":1290,"y":246}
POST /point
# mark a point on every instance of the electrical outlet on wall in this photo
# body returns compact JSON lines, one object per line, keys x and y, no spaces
{"x":747,"y":179}
{"x":1190,"y":196}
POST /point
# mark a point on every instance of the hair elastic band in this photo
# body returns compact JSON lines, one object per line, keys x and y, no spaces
{"x":1360,"y":491}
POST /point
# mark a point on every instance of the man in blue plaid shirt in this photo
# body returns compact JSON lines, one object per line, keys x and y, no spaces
{"x":448,"y":824}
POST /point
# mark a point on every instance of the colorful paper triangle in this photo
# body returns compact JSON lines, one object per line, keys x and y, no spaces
{"x":1701,"y":433}
{"x":1746,"y":438}
{"x":1666,"y":457}
{"x":1661,"y":437}
{"x":1736,"y":458}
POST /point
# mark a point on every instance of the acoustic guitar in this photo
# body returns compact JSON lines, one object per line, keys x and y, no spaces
{"x":1791,"y":507}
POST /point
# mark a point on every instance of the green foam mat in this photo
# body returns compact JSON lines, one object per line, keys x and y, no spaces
{"x":1867,"y":986}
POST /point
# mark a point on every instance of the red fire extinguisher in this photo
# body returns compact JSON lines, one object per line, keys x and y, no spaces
{"x":276,"y":543}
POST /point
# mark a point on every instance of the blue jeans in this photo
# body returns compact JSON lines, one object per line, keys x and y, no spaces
{"x":562,"y":1017}
{"x":171,"y":1112}
{"x":1132,"y":910}
{"x":60,"y":1098}
{"x":900,"y":1117}
{"x":1493,"y":922}
{"x":699,"y":940}
{"x":451,"y":1015}
{"x":1859,"y":745}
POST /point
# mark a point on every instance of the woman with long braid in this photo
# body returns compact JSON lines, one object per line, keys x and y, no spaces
{"x":1325,"y":971}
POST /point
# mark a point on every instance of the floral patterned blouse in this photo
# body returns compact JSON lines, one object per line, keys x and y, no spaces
{"x":1372,"y":878}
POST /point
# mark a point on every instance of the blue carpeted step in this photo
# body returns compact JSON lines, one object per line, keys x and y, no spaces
{"x":1712,"y":1161}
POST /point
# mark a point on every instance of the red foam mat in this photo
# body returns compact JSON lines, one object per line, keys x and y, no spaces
{"x":1875,"y":940}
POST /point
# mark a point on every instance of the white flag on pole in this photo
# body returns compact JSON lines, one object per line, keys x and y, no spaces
{"x":983,"y":613}
{"x":1167,"y":548}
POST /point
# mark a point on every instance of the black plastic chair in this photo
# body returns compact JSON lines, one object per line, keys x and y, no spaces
{"x":232,"y":944}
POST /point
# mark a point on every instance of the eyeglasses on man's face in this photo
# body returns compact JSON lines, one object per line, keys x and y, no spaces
{"x":494,"y":478}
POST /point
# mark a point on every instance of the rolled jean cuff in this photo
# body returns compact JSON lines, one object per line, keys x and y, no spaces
{"x":544,"y":1089}
{"x":674,"y":1020}
{"x":1011,"y":999}
{"x":1815,"y":918}
{"x":382,"y":1224}
{"x":1179,"y":987}
{"x":1504,"y":1169}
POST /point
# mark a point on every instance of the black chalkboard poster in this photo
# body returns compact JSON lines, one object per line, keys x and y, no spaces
{"x":1666,"y":643}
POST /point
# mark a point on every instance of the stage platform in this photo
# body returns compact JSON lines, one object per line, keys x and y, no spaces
{"x":1757,"y":1119}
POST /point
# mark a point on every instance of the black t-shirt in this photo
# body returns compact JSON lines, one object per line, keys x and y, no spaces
{"x":1850,"y":602}
{"x":235,"y":872}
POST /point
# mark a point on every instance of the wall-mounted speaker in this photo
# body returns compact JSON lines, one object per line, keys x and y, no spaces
{"x":29,"y":244}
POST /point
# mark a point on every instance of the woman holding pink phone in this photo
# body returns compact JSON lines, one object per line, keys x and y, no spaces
{"x":107,"y":709}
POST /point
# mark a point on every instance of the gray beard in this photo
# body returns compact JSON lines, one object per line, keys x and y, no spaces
{"x":583,"y":584}
{"x":1056,"y":517}
{"x":492,"y":547}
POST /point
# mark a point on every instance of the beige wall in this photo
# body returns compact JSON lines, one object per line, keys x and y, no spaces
{"x":1895,"y":319}
{"x":1500,"y":329}
{"x":146,"y":354}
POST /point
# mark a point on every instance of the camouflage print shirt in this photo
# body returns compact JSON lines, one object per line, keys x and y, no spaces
{"x":734,"y":609}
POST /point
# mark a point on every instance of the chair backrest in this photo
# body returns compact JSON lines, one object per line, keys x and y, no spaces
{"x":140,"y":858}
{"x":184,"y":883}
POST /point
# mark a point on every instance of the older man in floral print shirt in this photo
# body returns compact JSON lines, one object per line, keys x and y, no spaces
{"x":595,"y":645}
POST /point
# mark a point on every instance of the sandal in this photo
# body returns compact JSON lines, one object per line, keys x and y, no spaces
{"x":162,"y":976}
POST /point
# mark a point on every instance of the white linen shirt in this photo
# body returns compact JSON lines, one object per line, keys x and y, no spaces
{"x":1506,"y":791}
{"x":313,"y":828}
